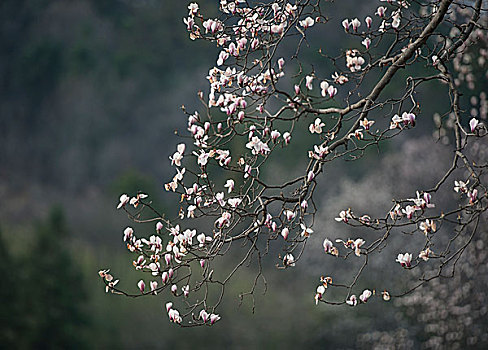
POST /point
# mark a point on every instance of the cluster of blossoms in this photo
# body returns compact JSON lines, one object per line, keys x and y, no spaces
{"x":406,"y":120}
{"x":252,"y":107}
{"x":354,"y":61}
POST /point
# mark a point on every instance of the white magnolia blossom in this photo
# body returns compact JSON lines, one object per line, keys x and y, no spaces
{"x":317,"y":126}
{"x":461,"y":186}
{"x":285,"y":232}
{"x":308,"y":81}
{"x":404,"y":259}
{"x":289,"y":260}
{"x":352,"y":301}
{"x":141,"y":285}
{"x":307,"y":22}
{"x":424,"y":254}
{"x":473,"y":124}
{"x":365,"y":295}
{"x":123,"y":200}
{"x":306,"y":231}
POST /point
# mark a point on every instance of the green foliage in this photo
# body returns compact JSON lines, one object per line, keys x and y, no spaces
{"x":46,"y":295}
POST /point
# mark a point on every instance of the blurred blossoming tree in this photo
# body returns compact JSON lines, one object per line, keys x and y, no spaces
{"x":362,"y":95}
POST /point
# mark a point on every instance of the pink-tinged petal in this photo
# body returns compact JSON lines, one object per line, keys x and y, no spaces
{"x":168,"y":306}
{"x":214,"y":318}
{"x":473,"y":123}
{"x":285,"y":232}
{"x":141,"y":285}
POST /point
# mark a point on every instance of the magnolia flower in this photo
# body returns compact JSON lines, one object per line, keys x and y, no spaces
{"x":461,"y":186}
{"x":307,"y":22}
{"x":427,"y":226}
{"x":368,"y":21}
{"x":154,"y":286}
{"x":167,"y":258}
{"x":141,"y":285}
{"x":409,"y":211}
{"x":358,"y":243}
{"x":277,"y":28}
{"x":386,"y":295}
{"x":365,"y":295}
{"x":287,"y":137}
{"x":174,"y":288}
{"x":304,"y":205}
{"x":332,"y":91}
{"x":223,"y":55}
{"x":422,"y":202}
{"x":193,"y":8}
{"x":408,"y":119}
{"x":472,"y":195}
{"x":168,"y":306}
{"x":319,"y":294}
{"x":473,"y":123}
{"x":366,"y":124}
{"x":339,"y":78}
{"x":190,"y":22}
{"x":159,"y":226}
{"x":224,"y":220}
{"x":344,"y":216}
{"x":234,"y":202}
{"x":318,"y":152}
{"x":202,"y":157}
{"x":219,"y":197}
{"x":358,"y":134}
{"x":174,"y":316}
{"x":214,"y":318}
{"x":212,"y":25}
{"x":201,"y":238}
{"x":366,"y":42}
{"x":165,"y":277}
{"x":424,"y":254}
{"x":285,"y":232}
{"x":191,"y":211}
{"x":185,"y":290}
{"x":274,"y":135}
{"x":352,"y":301}
{"x":317,"y":126}
{"x":354,"y":61}
{"x":289,"y":260}
{"x":123,"y":200}
{"x":396,"y":122}
{"x":257,"y":146}
{"x":178,"y":155}
{"x":328,"y":246}
{"x":306,"y":231}
{"x":355,"y":23}
{"x":204,"y":316}
{"x":396,"y":20}
{"x":345,"y":24}
{"x":308,"y":81}
{"x":324,"y":85}
{"x":290,"y":214}
{"x":310,"y":176}
{"x":380,"y":11}
{"x":128,"y":232}
{"x":281,"y":63}
{"x":404,"y":259}
{"x":135,"y":200}
{"x":397,"y":211}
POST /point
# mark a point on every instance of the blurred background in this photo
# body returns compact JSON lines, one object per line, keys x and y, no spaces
{"x":90,"y":99}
